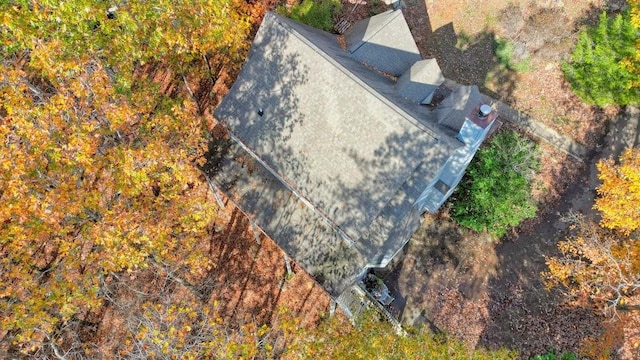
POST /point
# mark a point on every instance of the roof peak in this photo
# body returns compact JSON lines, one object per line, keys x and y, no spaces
{"x":296,"y":29}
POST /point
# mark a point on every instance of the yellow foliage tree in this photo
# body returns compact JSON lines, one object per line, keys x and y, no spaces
{"x":601,"y":263}
{"x":635,"y":12}
{"x":98,"y":174}
{"x":163,"y":320}
{"x":91,"y":183}
{"x":598,"y":266}
{"x":632,"y":64}
{"x":62,"y":35}
{"x":374,"y":338}
{"x":619,"y":193}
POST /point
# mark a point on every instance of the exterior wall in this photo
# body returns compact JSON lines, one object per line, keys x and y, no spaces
{"x":452,"y":172}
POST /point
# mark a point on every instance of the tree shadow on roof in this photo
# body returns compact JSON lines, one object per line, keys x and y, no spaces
{"x":316,"y":183}
{"x":405,"y":164}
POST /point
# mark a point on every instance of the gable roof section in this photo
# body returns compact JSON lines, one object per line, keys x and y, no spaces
{"x":452,"y":111}
{"x":344,"y":147}
{"x":420,"y":81}
{"x":326,"y":150}
{"x":384,"y":42}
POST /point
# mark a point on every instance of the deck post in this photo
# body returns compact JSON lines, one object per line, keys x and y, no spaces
{"x":287,"y":263}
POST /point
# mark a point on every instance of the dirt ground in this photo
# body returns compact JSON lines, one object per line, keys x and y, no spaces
{"x":250,"y":279}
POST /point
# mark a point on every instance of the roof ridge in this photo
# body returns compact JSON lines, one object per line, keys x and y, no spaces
{"x":386,"y":22}
{"x":286,"y":24}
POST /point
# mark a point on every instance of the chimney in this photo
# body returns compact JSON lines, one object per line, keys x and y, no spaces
{"x":477,"y":124}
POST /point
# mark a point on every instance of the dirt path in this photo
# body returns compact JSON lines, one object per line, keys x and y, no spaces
{"x":522,"y":260}
{"x":461,"y":283}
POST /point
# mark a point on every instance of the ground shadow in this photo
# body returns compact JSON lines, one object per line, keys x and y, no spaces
{"x":520,"y":304}
{"x":471,"y":60}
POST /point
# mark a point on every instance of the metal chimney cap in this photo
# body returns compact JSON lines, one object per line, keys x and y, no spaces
{"x":485,"y":110}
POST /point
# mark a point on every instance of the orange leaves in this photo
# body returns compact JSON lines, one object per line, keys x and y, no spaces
{"x":92,"y":183}
{"x":619,"y":193}
{"x":97,"y":177}
{"x":597,"y":266}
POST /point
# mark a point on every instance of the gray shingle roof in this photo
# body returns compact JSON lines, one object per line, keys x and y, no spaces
{"x":384,"y":42}
{"x":420,"y":81}
{"x":323,"y":130}
{"x":295,"y":227}
{"x":451,"y":112}
{"x":330,"y":159}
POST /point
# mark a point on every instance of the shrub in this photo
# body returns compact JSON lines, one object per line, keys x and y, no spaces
{"x":506,"y":54}
{"x":495,"y":192}
{"x":603,"y":68}
{"x":318,"y":14}
{"x":551,"y":355}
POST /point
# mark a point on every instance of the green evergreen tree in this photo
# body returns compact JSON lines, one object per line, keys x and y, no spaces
{"x":495,"y":192}
{"x":599,"y":70}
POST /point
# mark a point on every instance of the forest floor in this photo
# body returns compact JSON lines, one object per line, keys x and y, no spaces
{"x":250,"y":278}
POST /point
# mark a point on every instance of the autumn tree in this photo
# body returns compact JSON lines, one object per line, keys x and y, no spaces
{"x":619,"y":194}
{"x":633,"y":64}
{"x":600,"y":262}
{"x":125,"y":35}
{"x":161,"y":319}
{"x":98,"y":172}
{"x":598,"y":266}
{"x":91,"y":184}
{"x":377,"y":339}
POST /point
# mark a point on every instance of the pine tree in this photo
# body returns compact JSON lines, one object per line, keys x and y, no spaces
{"x":602,"y":69}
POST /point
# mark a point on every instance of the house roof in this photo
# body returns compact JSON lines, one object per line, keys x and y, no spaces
{"x":421,"y":80}
{"x":294,"y":227}
{"x":342,"y":145}
{"x":384,"y":42}
{"x":451,"y":112}
{"x":337,"y":157}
